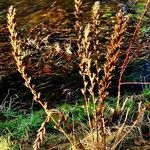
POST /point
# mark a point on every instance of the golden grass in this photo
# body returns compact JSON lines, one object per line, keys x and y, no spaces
{"x":17,"y":54}
{"x":112,"y":55}
{"x":86,"y":64}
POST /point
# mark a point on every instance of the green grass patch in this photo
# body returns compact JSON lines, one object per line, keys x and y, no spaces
{"x":19,"y":125}
{"x":146,"y":92}
{"x":76,"y":111}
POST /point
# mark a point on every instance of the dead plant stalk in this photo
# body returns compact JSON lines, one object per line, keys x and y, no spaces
{"x":18,"y":56}
{"x":112,"y":55}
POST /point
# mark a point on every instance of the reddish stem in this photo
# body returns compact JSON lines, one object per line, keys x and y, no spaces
{"x":127,"y":57}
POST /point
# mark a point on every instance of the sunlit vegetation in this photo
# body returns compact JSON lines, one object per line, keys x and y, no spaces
{"x":79,"y":72}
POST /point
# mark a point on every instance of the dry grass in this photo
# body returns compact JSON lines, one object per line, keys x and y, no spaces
{"x":87,"y":63}
{"x":100,"y":134}
{"x":18,"y":56}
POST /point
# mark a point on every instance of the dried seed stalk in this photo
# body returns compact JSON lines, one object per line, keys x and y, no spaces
{"x":40,"y":135}
{"x":18,"y":56}
{"x":112,"y":55}
{"x":78,"y":26}
{"x":85,"y":63}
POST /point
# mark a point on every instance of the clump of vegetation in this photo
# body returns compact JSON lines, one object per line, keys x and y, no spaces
{"x":19,"y":125}
{"x":5,"y":143}
{"x":146,"y":92}
{"x":105,"y":128}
